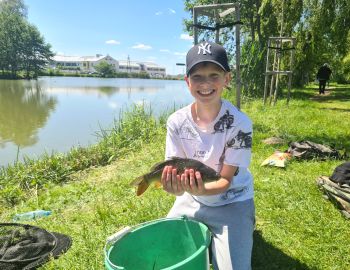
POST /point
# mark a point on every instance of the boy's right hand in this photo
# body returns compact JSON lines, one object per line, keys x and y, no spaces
{"x":171,"y":181}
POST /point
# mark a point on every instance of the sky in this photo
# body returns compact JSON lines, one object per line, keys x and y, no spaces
{"x":144,"y":30}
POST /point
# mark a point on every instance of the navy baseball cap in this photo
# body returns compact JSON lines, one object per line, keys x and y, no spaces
{"x":207,"y":52}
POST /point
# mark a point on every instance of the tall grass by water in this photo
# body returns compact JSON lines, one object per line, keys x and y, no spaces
{"x":131,"y":131}
{"x":89,"y":193}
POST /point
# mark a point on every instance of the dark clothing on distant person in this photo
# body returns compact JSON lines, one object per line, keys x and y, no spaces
{"x":323,"y":76}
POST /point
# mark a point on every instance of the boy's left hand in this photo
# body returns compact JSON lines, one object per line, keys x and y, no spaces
{"x":192,"y":182}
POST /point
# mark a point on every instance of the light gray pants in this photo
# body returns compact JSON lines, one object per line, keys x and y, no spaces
{"x":232,"y":227}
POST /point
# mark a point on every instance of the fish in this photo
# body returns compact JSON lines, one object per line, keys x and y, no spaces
{"x":181,"y":164}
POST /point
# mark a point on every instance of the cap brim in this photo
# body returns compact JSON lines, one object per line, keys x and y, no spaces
{"x":203,"y":61}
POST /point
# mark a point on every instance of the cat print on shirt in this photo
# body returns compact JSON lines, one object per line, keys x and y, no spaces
{"x":225,"y":122}
{"x":241,"y":140}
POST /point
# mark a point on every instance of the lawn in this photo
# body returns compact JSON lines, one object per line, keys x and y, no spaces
{"x":296,"y":228}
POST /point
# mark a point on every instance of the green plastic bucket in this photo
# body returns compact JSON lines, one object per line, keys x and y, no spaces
{"x":167,"y":244}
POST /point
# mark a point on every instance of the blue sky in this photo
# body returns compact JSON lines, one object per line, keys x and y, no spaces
{"x":145,"y":30}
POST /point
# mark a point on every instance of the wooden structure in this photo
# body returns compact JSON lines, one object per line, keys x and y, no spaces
{"x":216,"y":12}
{"x":278,"y":45}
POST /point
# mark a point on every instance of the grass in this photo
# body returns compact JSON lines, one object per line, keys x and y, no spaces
{"x":296,"y":228}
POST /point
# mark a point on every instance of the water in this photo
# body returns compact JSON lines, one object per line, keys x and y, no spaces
{"x":53,"y":114}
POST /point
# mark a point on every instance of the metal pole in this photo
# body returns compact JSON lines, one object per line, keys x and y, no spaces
{"x":195,"y":21}
{"x":217,"y":31}
{"x":238,"y":59}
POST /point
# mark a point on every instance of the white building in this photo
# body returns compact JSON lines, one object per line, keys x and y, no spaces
{"x":129,"y":66}
{"x":153,"y":69}
{"x":86,"y":64}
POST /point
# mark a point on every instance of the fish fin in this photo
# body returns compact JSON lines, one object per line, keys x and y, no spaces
{"x":142,"y":187}
{"x":141,"y":184}
{"x":157,"y":166}
{"x":137,"y":181}
{"x":158,"y":184}
{"x":175,"y":158}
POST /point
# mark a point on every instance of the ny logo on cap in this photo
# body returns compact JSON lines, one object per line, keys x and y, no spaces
{"x":205,"y":48}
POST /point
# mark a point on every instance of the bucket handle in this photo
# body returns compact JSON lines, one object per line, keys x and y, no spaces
{"x":112,"y":239}
{"x":119,"y":234}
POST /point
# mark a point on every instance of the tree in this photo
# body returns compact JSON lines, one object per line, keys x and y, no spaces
{"x":23,"y":111}
{"x":105,"y":69}
{"x":21,"y":45}
{"x":36,"y":53}
{"x":322,"y":29}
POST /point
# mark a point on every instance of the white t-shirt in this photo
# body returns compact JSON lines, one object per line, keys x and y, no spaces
{"x":227,"y":140}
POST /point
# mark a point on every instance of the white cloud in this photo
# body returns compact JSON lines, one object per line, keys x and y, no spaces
{"x":171,"y":11}
{"x":164,"y":50}
{"x":186,"y":37}
{"x":141,"y":46}
{"x":113,"y":42}
{"x":151,"y":58}
{"x":179,"y":53}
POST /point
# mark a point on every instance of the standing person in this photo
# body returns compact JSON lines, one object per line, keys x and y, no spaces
{"x":323,"y":75}
{"x":215,"y":132}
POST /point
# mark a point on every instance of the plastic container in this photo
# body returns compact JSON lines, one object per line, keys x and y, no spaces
{"x":31,"y":215}
{"x":161,"y":244}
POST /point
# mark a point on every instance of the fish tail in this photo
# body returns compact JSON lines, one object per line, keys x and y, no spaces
{"x":141,"y":184}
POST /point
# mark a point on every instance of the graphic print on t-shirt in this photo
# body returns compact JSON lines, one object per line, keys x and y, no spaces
{"x":200,"y":154}
{"x":241,"y":140}
{"x":225,"y":122}
{"x":187,"y":131}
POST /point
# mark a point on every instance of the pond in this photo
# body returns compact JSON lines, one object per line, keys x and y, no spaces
{"x":53,"y":114}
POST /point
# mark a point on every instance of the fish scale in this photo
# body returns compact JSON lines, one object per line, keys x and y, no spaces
{"x":181,"y":164}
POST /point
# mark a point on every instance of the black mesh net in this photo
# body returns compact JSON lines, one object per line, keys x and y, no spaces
{"x":25,"y":246}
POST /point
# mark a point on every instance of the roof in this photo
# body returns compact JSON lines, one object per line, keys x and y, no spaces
{"x":65,"y":58}
{"x":131,"y":63}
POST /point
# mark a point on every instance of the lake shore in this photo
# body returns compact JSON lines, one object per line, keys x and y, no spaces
{"x":90,"y":195}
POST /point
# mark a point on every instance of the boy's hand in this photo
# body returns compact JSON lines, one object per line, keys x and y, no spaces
{"x":171,"y":181}
{"x":192,"y":182}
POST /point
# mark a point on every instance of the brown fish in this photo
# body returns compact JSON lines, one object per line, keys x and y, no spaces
{"x":181,"y":164}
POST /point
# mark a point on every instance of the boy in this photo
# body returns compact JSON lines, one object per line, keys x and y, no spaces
{"x":216,"y":133}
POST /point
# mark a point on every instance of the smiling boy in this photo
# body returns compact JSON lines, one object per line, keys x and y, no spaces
{"x":215,"y":132}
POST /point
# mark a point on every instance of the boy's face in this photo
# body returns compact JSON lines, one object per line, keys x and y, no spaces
{"x":207,"y":81}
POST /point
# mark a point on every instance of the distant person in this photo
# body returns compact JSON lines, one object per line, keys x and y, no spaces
{"x":323,"y":75}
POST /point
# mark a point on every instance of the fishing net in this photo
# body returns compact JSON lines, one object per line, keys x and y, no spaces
{"x":27,"y":247}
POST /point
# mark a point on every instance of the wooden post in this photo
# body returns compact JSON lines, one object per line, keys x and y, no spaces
{"x":266,"y":71}
{"x":291,"y":62}
{"x":279,"y":46}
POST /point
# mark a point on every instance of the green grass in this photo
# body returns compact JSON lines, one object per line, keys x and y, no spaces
{"x":296,"y":227}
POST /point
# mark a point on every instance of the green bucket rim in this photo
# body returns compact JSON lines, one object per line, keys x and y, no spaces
{"x":148,"y":223}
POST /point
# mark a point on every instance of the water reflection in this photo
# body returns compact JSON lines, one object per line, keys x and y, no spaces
{"x":54,"y":114}
{"x":24,"y":109}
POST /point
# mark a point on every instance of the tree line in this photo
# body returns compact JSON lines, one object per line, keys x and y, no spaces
{"x":23,"y":50}
{"x":321,"y":29}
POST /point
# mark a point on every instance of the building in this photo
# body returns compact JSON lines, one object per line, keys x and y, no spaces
{"x":86,"y":64}
{"x":83,"y":64}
